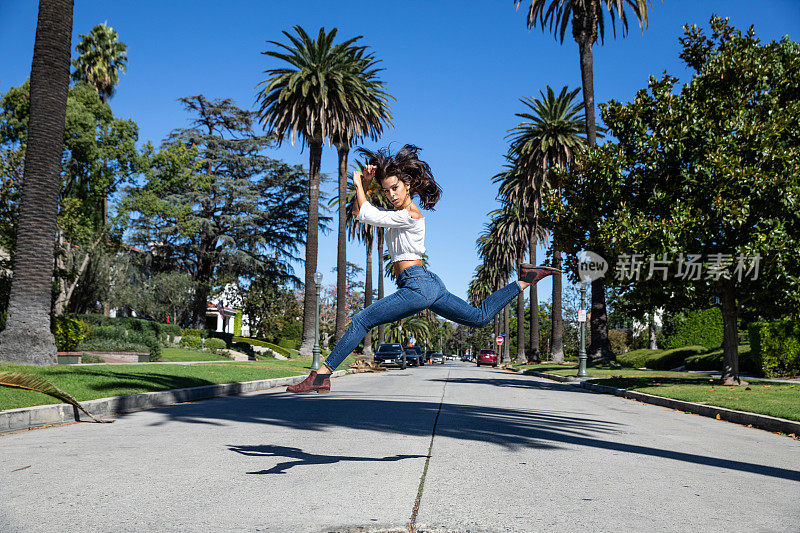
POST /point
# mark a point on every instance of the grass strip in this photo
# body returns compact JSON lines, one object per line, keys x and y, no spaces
{"x":763,"y":397}
{"x":183,"y":354}
{"x":90,"y":382}
{"x":781,"y":400}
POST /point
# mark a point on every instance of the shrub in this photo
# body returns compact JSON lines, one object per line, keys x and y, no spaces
{"x":215,"y":345}
{"x":112,"y":345}
{"x":117,"y":338}
{"x":69,"y":332}
{"x":636,"y":358}
{"x":618,"y":340}
{"x":695,"y":328}
{"x":199,"y":333}
{"x":260,"y":342}
{"x":170,"y":331}
{"x":669,"y":359}
{"x":193,"y":342}
{"x":712,"y":360}
{"x":775,"y":347}
{"x":227,"y":337}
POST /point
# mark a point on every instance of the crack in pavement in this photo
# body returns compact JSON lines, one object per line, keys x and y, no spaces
{"x":412,"y":526}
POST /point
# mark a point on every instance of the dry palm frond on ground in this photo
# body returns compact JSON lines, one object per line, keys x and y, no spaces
{"x":38,"y":384}
{"x":362,"y":365}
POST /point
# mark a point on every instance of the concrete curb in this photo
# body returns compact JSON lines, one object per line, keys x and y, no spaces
{"x":30,"y":417}
{"x":769,"y":423}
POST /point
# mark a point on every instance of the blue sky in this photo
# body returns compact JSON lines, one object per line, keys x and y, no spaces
{"x":457,"y":71}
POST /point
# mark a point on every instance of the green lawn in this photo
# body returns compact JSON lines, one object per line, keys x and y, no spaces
{"x":763,"y":397}
{"x":100,"y":381}
{"x":182,"y":354}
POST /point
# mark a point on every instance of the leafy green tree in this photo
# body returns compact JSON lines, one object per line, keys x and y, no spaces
{"x":99,"y":153}
{"x":710,"y":170}
{"x":214,"y":204}
{"x":101,"y":57}
{"x":27,"y":338}
{"x":586,"y":18}
{"x":316,"y":98}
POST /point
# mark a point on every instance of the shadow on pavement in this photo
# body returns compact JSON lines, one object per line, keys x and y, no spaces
{"x":304,"y":458}
{"x":508,"y":428}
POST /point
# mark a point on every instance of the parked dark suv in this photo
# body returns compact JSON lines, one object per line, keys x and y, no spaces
{"x":391,"y":354}
{"x":414,"y":355}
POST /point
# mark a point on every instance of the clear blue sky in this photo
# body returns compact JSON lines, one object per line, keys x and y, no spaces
{"x":457,"y":71}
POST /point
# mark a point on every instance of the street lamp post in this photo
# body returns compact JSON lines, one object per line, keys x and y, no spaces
{"x":582,"y":318}
{"x":315,"y":364}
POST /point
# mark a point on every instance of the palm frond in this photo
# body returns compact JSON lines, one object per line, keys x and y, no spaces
{"x":39,"y":384}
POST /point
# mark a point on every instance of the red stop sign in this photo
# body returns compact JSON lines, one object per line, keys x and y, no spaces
{"x":499,"y":339}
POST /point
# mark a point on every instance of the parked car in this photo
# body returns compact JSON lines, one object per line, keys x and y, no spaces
{"x":428,"y":355}
{"x":486,"y":357}
{"x":391,"y":353}
{"x":414,"y":355}
{"x":437,"y":358}
{"x":466,"y":358}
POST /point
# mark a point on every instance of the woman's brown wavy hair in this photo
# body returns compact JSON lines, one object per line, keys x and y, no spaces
{"x":409,"y":169}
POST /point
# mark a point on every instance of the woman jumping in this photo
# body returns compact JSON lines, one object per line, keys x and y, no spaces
{"x":402,"y":176}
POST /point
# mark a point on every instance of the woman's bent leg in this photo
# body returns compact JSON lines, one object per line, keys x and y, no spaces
{"x":401,"y":304}
{"x":454,"y":308}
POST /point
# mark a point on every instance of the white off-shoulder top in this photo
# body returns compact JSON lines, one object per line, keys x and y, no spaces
{"x":405,"y":236}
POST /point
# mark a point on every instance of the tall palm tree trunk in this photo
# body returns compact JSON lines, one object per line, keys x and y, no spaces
{"x":507,"y":339}
{"x":341,"y":254}
{"x":381,"y":328}
{"x":368,"y":295}
{"x":600,"y":346}
{"x":533,"y":344}
{"x":521,"y":323}
{"x":309,"y":299}
{"x":27,"y":338}
{"x":557,"y":322}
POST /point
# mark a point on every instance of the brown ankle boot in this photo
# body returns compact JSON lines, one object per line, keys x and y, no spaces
{"x":314,"y":382}
{"x":532,"y":274}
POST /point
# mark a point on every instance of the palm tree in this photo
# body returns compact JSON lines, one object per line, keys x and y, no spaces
{"x":312,"y":99}
{"x":101,"y":57}
{"x":545,"y":143}
{"x":27,"y":338}
{"x":520,"y":190}
{"x":587,"y":20}
{"x":363,"y":233}
{"x":368,"y":112}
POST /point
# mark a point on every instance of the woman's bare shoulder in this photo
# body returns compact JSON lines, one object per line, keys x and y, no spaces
{"x":415,"y":213}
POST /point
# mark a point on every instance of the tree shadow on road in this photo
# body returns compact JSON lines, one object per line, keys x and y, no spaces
{"x":305,"y":458}
{"x":511,"y":429}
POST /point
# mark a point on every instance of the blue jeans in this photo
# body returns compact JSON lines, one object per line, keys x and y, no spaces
{"x":418,"y":289}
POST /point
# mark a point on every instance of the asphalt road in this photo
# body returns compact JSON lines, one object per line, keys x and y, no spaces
{"x":507,"y":453}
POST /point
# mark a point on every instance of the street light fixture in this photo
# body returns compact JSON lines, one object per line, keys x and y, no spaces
{"x":582,"y":319}
{"x":315,"y":364}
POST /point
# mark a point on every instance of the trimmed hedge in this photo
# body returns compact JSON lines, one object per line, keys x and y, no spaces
{"x":120,"y":338}
{"x":227,"y":337}
{"x":636,"y":358}
{"x":713,"y":361}
{"x":776,"y":347}
{"x":199,"y":333}
{"x":264,"y":344}
{"x":215,"y":345}
{"x":669,"y":359}
{"x":695,"y":328}
{"x":193,"y":342}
